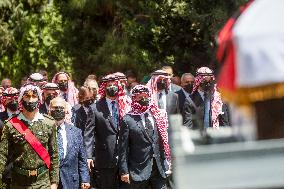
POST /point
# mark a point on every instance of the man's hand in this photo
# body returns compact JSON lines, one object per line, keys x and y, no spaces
{"x":53,"y":186}
{"x":90,"y":164}
{"x":125,"y":178}
{"x":85,"y":185}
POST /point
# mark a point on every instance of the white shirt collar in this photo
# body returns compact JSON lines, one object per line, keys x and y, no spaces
{"x":62,"y":126}
{"x":201,"y":94}
{"x":37,"y":117}
{"x":185,"y":93}
{"x":109,"y":101}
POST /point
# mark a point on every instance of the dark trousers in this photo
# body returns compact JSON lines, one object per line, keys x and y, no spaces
{"x":107,"y":178}
{"x":156,"y":181}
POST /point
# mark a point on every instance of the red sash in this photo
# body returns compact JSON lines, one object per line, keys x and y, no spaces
{"x":31,"y":139}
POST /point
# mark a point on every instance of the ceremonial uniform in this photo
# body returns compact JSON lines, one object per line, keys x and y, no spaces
{"x":30,"y":171}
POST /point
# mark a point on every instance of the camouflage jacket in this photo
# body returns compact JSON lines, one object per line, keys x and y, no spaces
{"x":19,"y":151}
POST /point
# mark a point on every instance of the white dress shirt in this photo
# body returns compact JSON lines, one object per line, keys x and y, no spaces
{"x":186,"y":94}
{"x":201,"y":94}
{"x":164,"y":99}
{"x":150,"y":118}
{"x":62,"y":130}
{"x":109,"y":104}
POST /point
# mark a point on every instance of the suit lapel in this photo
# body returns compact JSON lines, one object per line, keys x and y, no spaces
{"x":168,"y":101}
{"x":106,"y":112}
{"x":139,"y":123}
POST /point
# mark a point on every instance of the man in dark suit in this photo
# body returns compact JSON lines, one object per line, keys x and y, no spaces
{"x":101,"y":132}
{"x":50,"y":91}
{"x":80,"y":111}
{"x":159,"y":85}
{"x":141,"y":153}
{"x":204,"y":108}
{"x":169,"y":70}
{"x":73,"y":168}
{"x":187,"y":80}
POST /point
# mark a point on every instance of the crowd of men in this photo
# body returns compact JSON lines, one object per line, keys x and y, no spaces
{"x":109,"y":133}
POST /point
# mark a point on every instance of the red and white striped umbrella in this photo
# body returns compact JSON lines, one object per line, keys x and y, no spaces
{"x":251,"y":51}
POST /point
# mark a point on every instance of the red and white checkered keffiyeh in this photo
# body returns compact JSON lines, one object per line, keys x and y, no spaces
{"x":72,"y":91}
{"x":152,"y":85}
{"x":123,"y":104}
{"x":26,"y":88}
{"x":9,"y":94}
{"x":216,"y":102}
{"x":161,"y":118}
{"x":122,"y":83}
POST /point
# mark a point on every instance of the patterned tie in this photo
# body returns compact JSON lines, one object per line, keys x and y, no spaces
{"x":148,"y":125}
{"x":206,"y":120}
{"x":160,"y":101}
{"x":60,"y":144}
{"x":114,"y":113}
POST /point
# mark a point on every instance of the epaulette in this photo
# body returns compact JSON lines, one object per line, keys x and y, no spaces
{"x":48,"y":116}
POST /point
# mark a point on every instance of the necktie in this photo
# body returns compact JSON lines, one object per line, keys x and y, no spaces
{"x":114,"y":113}
{"x":60,"y":144}
{"x":148,"y":125}
{"x":160,"y":101}
{"x":206,"y":120}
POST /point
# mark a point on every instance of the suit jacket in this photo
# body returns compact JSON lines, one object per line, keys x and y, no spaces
{"x":79,"y":117}
{"x":137,"y":150}
{"x":172,"y":103}
{"x":43,"y":109}
{"x":193,"y":113}
{"x":175,"y":88}
{"x":181,"y":99}
{"x":101,"y":134}
{"x":73,"y":169}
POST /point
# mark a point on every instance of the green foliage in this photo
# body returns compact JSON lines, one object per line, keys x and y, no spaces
{"x":101,"y":36}
{"x":30,"y":40}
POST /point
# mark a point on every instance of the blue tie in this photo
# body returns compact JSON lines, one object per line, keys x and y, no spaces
{"x":60,"y":144}
{"x":206,"y":110}
{"x":114,"y":113}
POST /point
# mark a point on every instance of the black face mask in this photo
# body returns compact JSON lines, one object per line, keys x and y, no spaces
{"x":63,"y":86}
{"x":207,"y":86}
{"x":48,"y":99}
{"x":13,"y":106}
{"x":58,"y":114}
{"x":87,"y":103}
{"x":144,"y":102}
{"x":188,"y":88}
{"x":161,"y":85}
{"x":112,"y":91}
{"x":30,"y":106}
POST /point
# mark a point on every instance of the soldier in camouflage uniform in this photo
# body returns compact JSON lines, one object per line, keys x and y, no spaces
{"x":30,"y":171}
